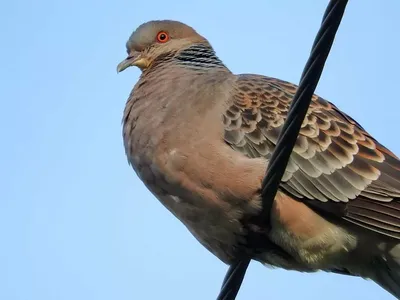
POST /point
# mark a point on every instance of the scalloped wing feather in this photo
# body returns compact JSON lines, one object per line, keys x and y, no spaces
{"x":334,"y":160}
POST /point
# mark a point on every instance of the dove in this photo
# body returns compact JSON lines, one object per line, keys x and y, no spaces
{"x":200,"y":138}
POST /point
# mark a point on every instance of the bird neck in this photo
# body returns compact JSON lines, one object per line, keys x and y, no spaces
{"x":198,"y":57}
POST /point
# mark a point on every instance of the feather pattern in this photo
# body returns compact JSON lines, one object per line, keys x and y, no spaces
{"x":334,"y":160}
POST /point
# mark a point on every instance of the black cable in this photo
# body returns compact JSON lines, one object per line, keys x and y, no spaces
{"x":288,"y":135}
{"x":233,"y":280}
{"x":301,"y":100}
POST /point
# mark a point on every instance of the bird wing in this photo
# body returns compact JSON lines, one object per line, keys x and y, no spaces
{"x":336,"y":167}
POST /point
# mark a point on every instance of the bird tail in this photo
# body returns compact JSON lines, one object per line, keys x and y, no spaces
{"x":387,"y":272}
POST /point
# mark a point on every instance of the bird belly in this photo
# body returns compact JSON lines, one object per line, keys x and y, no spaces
{"x":215,"y":225}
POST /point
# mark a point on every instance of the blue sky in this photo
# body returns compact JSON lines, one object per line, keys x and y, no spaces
{"x":75,"y":221}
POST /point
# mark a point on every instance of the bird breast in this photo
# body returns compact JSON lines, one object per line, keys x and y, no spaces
{"x":175,"y":145}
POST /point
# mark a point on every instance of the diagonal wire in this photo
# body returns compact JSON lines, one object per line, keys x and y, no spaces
{"x":288,"y":135}
{"x":233,"y":280}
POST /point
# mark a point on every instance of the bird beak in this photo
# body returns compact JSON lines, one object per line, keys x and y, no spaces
{"x":133,"y":59}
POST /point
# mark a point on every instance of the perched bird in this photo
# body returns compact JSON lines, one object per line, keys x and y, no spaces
{"x":200,"y":137}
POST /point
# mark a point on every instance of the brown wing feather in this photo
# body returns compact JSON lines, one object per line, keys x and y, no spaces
{"x":334,"y":160}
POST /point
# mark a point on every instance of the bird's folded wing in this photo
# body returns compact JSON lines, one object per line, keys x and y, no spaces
{"x":336,"y":166}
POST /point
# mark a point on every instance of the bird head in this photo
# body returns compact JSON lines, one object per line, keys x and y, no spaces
{"x":157,"y":39}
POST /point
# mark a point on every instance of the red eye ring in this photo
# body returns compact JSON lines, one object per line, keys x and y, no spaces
{"x":162,"y":37}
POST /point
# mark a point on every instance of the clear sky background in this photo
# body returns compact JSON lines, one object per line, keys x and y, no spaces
{"x":75,"y":221}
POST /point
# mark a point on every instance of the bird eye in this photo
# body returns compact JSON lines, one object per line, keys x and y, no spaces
{"x":162,"y":37}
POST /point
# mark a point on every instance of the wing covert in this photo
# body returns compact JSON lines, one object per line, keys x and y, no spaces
{"x":334,"y":158}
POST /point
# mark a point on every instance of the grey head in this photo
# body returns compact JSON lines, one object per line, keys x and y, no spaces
{"x":156,"y":39}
